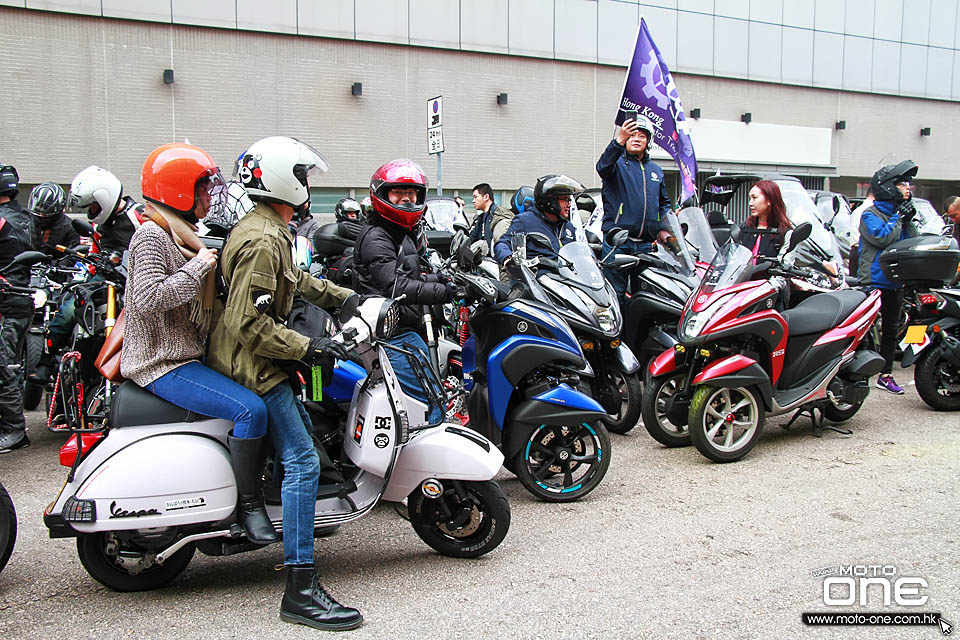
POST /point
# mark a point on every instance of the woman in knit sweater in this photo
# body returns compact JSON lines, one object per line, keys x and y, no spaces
{"x":169,"y":299}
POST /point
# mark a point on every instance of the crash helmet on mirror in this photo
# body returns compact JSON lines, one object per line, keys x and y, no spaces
{"x":47,"y":201}
{"x":883,"y":185}
{"x":276,"y":169}
{"x":179,"y":176}
{"x":348,"y":209}
{"x":9,"y":181}
{"x":550,"y":188}
{"x":403,"y":174}
{"x":522,"y":200}
{"x":98,"y":191}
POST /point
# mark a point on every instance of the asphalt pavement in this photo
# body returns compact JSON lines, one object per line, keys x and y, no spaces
{"x":669,"y":546}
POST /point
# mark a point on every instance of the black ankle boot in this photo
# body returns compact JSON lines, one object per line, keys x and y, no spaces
{"x":246,"y":456}
{"x":306,"y":602}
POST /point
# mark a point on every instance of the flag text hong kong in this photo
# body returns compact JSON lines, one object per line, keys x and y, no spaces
{"x":650,"y":90}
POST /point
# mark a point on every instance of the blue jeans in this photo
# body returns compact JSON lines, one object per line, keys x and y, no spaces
{"x":200,"y":389}
{"x":408,"y":380}
{"x":289,"y":432}
{"x":619,"y":277}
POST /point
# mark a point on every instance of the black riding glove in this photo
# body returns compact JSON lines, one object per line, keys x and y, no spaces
{"x":321,"y":349}
{"x":906,"y":210}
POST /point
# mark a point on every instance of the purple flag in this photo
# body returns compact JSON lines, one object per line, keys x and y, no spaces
{"x":650,"y":90}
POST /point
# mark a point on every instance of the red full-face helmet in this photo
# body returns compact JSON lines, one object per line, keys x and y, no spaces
{"x":405,"y":174}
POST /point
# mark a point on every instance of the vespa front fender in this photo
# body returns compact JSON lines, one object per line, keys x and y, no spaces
{"x":443,"y":452}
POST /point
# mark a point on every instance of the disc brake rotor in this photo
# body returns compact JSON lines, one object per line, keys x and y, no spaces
{"x":469,"y":528}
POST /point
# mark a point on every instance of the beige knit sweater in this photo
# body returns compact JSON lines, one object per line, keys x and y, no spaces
{"x":159,"y":336}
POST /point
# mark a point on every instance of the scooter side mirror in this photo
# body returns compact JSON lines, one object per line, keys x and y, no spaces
{"x":459,"y":226}
{"x":836,"y":204}
{"x":29,"y":258}
{"x":349,"y":308}
{"x":82,"y":226}
{"x":540,"y":241}
{"x":798,"y":235}
{"x":467,"y":258}
{"x":616,"y":237}
{"x":735,"y":233}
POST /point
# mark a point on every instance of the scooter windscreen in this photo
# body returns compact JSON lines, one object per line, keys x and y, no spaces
{"x":697,"y":235}
{"x":821,"y":245}
{"x":732,"y":265}
{"x":676,"y":251}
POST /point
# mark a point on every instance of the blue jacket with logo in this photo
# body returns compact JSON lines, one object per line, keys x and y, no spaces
{"x":560,"y":233}
{"x":634,"y":194}
{"x":880,"y":227}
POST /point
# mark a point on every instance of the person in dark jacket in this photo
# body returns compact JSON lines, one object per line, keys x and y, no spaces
{"x":116,"y":217}
{"x":887,"y":220}
{"x":17,"y":234}
{"x":634,"y":194}
{"x":549,"y":215}
{"x":47,"y":203}
{"x":492,"y":219}
{"x":387,"y":263}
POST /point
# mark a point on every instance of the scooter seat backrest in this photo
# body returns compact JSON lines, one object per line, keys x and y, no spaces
{"x":823,"y":311}
{"x":134,"y":406}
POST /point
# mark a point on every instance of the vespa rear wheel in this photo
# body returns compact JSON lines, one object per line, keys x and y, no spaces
{"x":725,"y":424}
{"x":628,"y":390}
{"x":8,"y":527}
{"x":562,"y":463}
{"x":656,"y":393}
{"x":467,"y":520}
{"x":938,"y":381}
{"x":122,"y":562}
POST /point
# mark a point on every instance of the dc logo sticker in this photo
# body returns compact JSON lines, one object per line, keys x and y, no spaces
{"x":701,"y":299}
{"x":522,"y":326}
{"x":381,"y":440}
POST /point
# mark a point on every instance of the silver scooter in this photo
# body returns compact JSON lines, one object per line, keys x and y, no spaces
{"x":154,"y":483}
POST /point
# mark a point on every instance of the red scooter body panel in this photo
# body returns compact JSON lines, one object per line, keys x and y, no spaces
{"x":856,"y":325}
{"x":664,"y":363}
{"x":723,"y":367}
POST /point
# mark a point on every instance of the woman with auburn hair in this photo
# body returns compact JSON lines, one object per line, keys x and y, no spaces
{"x":767,"y":224}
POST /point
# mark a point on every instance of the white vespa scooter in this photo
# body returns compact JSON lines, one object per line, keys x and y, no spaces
{"x":155,"y":483}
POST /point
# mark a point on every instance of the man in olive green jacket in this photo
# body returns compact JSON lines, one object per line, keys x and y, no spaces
{"x":250,"y":337}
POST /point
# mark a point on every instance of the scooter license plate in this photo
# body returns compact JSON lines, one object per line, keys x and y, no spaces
{"x":915,"y":334}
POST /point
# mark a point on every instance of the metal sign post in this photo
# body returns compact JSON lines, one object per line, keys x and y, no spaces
{"x":435,"y":136}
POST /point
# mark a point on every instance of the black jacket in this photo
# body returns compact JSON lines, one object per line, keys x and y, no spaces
{"x":18,"y":233}
{"x":387,"y":263}
{"x":116,"y":232}
{"x":59,"y":231}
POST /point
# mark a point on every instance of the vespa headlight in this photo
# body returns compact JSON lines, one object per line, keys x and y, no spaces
{"x":388,"y":320}
{"x":695,"y":322}
{"x":39,"y":298}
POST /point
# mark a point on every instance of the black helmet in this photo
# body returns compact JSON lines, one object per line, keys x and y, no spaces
{"x":883,"y":185}
{"x":522,"y":200}
{"x":47,"y":201}
{"x":348,"y":209}
{"x":9,"y":181}
{"x":551,"y":187}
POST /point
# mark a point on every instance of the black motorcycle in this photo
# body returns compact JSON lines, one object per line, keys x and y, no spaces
{"x":8,"y":527}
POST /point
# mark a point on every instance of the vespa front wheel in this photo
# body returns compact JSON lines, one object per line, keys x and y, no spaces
{"x":467,"y":520}
{"x":725,"y":424}
{"x":563,"y":463}
{"x":8,"y":527}
{"x":124,"y":561}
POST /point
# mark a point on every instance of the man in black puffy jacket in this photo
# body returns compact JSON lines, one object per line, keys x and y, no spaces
{"x":387,"y":263}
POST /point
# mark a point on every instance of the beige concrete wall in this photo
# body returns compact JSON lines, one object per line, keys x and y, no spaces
{"x":87,"y":90}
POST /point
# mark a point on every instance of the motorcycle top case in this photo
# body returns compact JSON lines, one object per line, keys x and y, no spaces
{"x":927,"y":257}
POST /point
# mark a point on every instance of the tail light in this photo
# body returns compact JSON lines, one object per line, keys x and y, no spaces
{"x":68,"y":452}
{"x":927,"y":298}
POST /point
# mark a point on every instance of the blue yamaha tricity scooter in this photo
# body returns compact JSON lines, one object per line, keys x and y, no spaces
{"x":521,"y":367}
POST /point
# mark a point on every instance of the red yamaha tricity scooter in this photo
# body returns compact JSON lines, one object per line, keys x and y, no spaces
{"x":739,"y":358}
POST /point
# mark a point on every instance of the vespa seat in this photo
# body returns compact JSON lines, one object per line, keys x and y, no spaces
{"x":823,"y":311}
{"x":135,"y":406}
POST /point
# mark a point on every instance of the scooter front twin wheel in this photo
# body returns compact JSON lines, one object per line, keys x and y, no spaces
{"x":8,"y":527}
{"x":725,"y":424}
{"x":467,"y":520}
{"x":562,"y":463}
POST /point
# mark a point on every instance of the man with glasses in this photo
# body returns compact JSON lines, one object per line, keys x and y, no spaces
{"x":887,"y":220}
